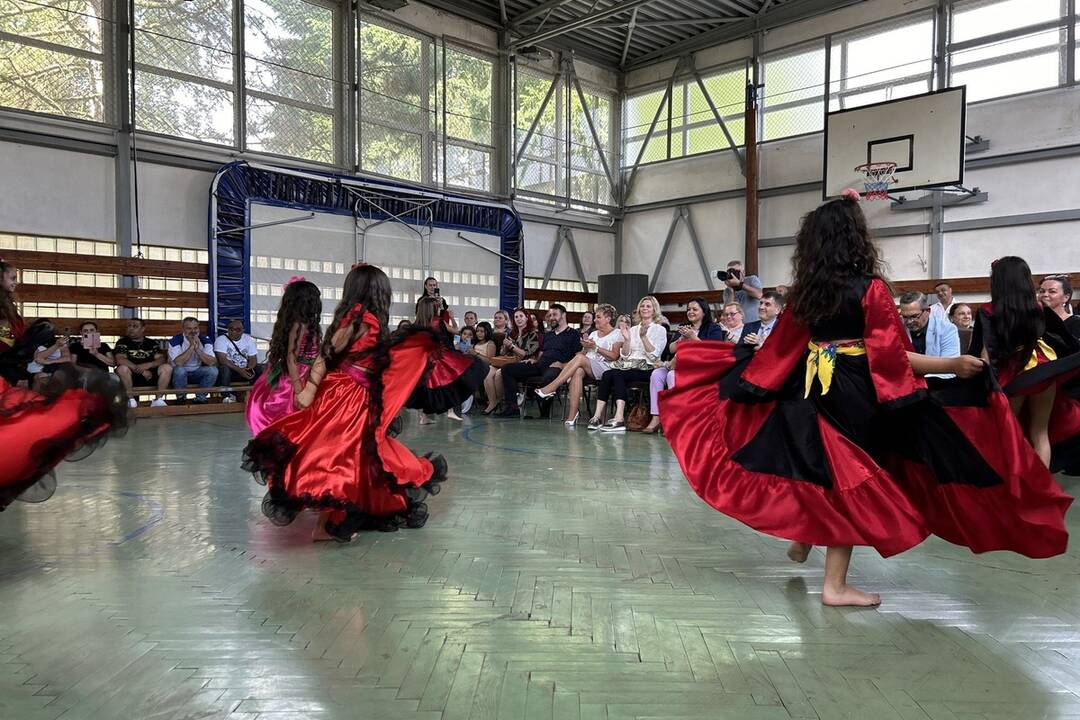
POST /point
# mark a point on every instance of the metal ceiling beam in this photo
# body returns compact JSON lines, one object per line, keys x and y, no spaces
{"x":582,"y":22}
{"x":537,"y":11}
{"x":676,"y":22}
{"x":741,"y":9}
{"x":781,"y":15}
{"x":629,"y":34}
{"x":502,"y":11}
{"x":765,"y":7}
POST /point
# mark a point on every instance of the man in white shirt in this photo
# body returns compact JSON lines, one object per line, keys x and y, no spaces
{"x":237,"y":356}
{"x":757,"y":332}
{"x":192,"y":358}
{"x":943,"y":290}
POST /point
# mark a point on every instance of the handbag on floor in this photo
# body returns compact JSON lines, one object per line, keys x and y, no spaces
{"x":639,"y":417}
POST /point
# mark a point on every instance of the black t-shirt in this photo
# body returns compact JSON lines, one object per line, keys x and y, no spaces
{"x":85,"y":358}
{"x":919,"y":341}
{"x":138,"y":352}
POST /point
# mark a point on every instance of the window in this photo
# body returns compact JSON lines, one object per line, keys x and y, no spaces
{"x":396,"y":113}
{"x":885,"y":62}
{"x":1004,"y":47}
{"x":588,"y":181}
{"x":794,"y":91}
{"x":469,"y":136}
{"x":538,"y":171}
{"x":688,"y":126}
{"x":290,"y":81}
{"x":184,"y":83}
{"x":52,"y":57}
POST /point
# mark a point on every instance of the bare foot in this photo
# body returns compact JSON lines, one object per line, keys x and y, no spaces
{"x":453,"y":415}
{"x":847,"y":596}
{"x":319,"y":534}
{"x":798,"y":552}
{"x":426,"y":419}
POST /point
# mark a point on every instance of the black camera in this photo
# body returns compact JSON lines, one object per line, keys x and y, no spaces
{"x":725,"y":275}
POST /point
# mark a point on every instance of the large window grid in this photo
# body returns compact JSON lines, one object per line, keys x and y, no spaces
{"x":561,"y":163}
{"x":997,"y":48}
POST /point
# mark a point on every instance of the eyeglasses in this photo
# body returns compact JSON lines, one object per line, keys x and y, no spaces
{"x":730,"y":314}
{"x":910,"y":318}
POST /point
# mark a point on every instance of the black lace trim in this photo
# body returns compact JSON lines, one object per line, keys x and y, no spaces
{"x":268,"y":456}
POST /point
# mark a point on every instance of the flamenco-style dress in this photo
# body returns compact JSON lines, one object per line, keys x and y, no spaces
{"x":337,"y":454}
{"x":273,"y":396}
{"x":70,"y":418}
{"x":840,"y":443}
{"x":1054,"y":361}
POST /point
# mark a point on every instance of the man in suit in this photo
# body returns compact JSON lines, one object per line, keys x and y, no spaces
{"x":928,"y":327}
{"x":757,"y":332}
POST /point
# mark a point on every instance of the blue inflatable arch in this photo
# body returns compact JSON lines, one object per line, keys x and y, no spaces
{"x":238,"y":184}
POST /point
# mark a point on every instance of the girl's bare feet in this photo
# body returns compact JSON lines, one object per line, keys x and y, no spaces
{"x":798,"y":552}
{"x":848,"y":596}
{"x":319,"y":534}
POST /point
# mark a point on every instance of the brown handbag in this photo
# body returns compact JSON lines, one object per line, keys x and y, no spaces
{"x":639,"y":417}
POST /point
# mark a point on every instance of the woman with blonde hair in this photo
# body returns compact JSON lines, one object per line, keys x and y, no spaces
{"x":600,"y":348}
{"x":639,"y":356}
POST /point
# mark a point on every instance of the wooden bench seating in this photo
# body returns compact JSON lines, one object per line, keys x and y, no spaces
{"x":213,"y":407}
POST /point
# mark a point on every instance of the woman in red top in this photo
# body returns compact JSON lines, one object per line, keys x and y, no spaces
{"x":830,"y":435}
{"x":336,"y":454}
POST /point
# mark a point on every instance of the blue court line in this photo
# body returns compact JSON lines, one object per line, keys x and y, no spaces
{"x":157,"y":512}
{"x":468,"y":435}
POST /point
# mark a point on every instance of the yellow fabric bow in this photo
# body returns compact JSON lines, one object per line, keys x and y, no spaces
{"x":1048,"y":351}
{"x":821,"y":362}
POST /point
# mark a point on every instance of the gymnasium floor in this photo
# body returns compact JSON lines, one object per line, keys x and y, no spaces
{"x":597,"y":586}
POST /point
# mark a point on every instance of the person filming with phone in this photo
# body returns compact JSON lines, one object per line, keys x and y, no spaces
{"x":446,"y":315}
{"x":745,"y":290}
{"x":87,"y":350}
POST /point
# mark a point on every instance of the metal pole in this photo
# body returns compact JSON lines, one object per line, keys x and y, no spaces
{"x":629,"y":34}
{"x":750,"y":121}
{"x":592,"y":131}
{"x":941,"y":55}
{"x":552,"y":258}
{"x":720,"y":120}
{"x":675,"y":218}
{"x":652,"y":127}
{"x":689,"y":222}
{"x":539,"y":115}
{"x":581,"y":22}
{"x":576,"y":258}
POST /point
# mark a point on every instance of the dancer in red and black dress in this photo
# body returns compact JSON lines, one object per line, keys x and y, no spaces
{"x":828,"y":435}
{"x":66,"y":420}
{"x":335,"y":454}
{"x":1037,"y":360}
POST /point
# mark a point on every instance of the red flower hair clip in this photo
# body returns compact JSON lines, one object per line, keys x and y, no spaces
{"x":359,"y":264}
{"x":294,"y":278}
{"x":851,"y":194}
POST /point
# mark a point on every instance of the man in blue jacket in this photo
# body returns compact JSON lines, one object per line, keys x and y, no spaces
{"x":928,"y":327}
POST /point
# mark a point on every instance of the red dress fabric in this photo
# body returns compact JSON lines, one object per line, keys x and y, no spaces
{"x":891,"y":503}
{"x":337,"y":454}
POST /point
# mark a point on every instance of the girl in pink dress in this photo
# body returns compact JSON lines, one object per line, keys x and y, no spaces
{"x":293,"y":348}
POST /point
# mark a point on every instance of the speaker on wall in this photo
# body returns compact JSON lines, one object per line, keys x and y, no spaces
{"x":622,"y":290}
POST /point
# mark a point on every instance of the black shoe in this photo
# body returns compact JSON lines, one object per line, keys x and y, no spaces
{"x":395,"y":428}
{"x":509,"y":411}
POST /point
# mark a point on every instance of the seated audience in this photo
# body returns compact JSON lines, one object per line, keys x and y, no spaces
{"x":403,"y":325}
{"x":466,"y":339}
{"x":521,"y":344}
{"x":599,"y":349}
{"x":944,"y":293}
{"x":140,"y":362}
{"x":961,"y":316}
{"x":48,"y":359}
{"x":500,"y":329}
{"x":588,"y":324}
{"x":558,"y":347}
{"x":237,"y":355}
{"x":928,"y":327}
{"x":483,"y":344}
{"x":642,"y":347}
{"x":87,"y":350}
{"x":1055,"y":292}
{"x":470,"y":319}
{"x":757,"y":332}
{"x":193,"y":360}
{"x":731,"y":321}
{"x":699,"y":325}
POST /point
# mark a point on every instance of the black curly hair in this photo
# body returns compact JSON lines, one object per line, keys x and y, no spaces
{"x":368,"y":287}
{"x":833,"y":246}
{"x":301,"y":305}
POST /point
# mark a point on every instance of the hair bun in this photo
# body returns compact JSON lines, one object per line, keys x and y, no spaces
{"x":851,"y":194}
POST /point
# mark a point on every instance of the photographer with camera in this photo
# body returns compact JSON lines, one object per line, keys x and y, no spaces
{"x":739,"y":289}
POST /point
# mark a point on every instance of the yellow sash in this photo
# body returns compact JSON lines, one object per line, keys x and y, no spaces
{"x":821,"y":362}
{"x":1048,"y":351}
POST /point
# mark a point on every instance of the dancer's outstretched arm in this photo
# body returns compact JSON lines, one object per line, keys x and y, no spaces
{"x":342,"y":338}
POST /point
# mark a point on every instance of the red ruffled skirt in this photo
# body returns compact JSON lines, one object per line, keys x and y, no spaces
{"x":840,"y":469}
{"x":337,"y":454}
{"x":71,"y":418}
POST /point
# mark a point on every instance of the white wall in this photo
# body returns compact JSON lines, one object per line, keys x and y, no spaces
{"x":596,"y":248}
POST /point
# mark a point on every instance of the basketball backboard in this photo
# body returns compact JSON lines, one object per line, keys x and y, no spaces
{"x":923,"y":135}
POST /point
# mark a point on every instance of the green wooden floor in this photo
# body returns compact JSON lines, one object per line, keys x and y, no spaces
{"x":597,"y":586}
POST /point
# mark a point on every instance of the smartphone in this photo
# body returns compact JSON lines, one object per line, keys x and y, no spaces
{"x":92,"y":341}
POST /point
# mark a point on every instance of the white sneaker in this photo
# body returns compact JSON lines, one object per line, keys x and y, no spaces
{"x":228,"y":399}
{"x":133,"y":403}
{"x":520,"y":399}
{"x":467,"y":405}
{"x":159,"y":402}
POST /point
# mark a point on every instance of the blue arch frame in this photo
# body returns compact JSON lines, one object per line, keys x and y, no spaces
{"x":239,"y":183}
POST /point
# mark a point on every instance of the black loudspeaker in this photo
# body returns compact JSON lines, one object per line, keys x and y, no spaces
{"x":623,"y":290}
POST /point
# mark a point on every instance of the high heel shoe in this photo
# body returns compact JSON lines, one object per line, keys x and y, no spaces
{"x":571,"y":422}
{"x":651,"y":431}
{"x":488,"y":411}
{"x":543,"y":395}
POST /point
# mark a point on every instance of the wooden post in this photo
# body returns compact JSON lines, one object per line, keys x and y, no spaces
{"x":750,"y":259}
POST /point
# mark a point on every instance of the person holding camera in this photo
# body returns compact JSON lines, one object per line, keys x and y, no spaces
{"x":745,"y":290}
{"x":446,"y":315}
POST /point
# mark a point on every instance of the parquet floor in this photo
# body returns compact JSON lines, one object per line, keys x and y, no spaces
{"x":591,"y":587}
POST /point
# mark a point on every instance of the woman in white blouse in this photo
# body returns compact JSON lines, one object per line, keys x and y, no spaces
{"x":600,"y":348}
{"x":640,"y":355}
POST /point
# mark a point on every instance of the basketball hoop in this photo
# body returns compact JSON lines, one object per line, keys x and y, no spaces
{"x":878,"y":176}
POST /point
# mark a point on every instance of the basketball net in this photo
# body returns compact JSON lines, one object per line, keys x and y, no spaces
{"x":878,"y":176}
